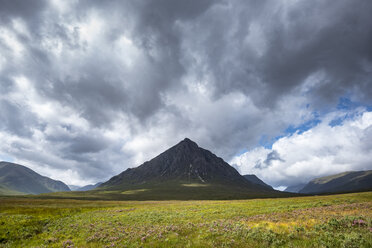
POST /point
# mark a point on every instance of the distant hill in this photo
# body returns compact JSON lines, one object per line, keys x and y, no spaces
{"x":254,"y":179}
{"x":18,"y":179}
{"x":84,"y":188}
{"x":73,"y":187}
{"x":295,"y":188}
{"x":343,"y":182}
{"x":185,"y":171}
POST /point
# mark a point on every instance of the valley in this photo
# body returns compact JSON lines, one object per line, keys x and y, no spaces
{"x":316,"y":221}
{"x":184,"y":197}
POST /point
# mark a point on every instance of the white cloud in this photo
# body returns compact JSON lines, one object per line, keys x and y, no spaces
{"x":11,"y":41}
{"x":92,"y":89}
{"x":320,"y":151}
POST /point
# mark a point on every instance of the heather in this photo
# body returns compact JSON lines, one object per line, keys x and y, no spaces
{"x":316,"y":221}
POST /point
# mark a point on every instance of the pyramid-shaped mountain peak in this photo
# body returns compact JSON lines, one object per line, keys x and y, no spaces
{"x":188,"y":142}
{"x":184,"y":163}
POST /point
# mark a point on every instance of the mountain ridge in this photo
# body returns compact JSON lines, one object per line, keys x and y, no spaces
{"x":254,"y":179}
{"x":295,"y":188}
{"x":185,"y":161}
{"x":348,"y":181}
{"x":185,"y":171}
{"x":19,"y":179}
{"x":85,"y":187}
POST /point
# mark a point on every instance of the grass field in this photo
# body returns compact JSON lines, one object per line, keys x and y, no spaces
{"x":317,"y":221}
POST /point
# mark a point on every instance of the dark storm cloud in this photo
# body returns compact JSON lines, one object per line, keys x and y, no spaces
{"x":96,"y":97}
{"x":98,"y":90}
{"x":87,"y":144}
{"x":29,"y":11}
{"x":298,"y":40}
{"x":301,"y":39}
{"x":127,"y":63}
{"x":333,"y":38}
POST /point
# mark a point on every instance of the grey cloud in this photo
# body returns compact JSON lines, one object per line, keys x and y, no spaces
{"x":332,"y":38}
{"x":87,"y":144}
{"x":259,"y":165}
{"x":6,"y":84}
{"x":266,"y":50}
{"x":16,"y":120}
{"x":29,"y":11}
{"x":271,"y":156}
{"x":101,"y":91}
{"x":303,"y":40}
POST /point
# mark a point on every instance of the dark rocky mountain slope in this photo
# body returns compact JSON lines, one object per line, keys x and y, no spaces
{"x":186,"y":171}
{"x":254,"y":179}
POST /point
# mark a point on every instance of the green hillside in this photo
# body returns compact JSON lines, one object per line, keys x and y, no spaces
{"x":342,"y":182}
{"x":5,"y":191}
{"x":17,"y":179}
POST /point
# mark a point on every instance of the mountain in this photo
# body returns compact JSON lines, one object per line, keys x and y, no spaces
{"x":84,"y":188}
{"x":90,"y":186}
{"x":254,"y":179}
{"x":185,"y":171}
{"x":73,"y":187}
{"x":18,"y":179}
{"x":6,"y":191}
{"x":343,"y":182}
{"x":295,"y":188}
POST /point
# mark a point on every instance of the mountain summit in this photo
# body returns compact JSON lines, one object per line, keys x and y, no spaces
{"x":187,"y":169}
{"x":185,"y":162}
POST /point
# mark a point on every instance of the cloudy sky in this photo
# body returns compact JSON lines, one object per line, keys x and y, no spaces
{"x":282,"y":89}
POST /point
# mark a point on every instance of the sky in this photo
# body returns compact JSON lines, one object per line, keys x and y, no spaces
{"x":280,"y":89}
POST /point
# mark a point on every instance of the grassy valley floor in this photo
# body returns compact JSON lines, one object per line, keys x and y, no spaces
{"x":316,"y":221}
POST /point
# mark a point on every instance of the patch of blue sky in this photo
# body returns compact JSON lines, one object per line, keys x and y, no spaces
{"x":337,"y":121}
{"x":267,"y":142}
{"x":340,"y":120}
{"x":344,"y":104}
{"x":303,"y":127}
{"x":242,"y":151}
